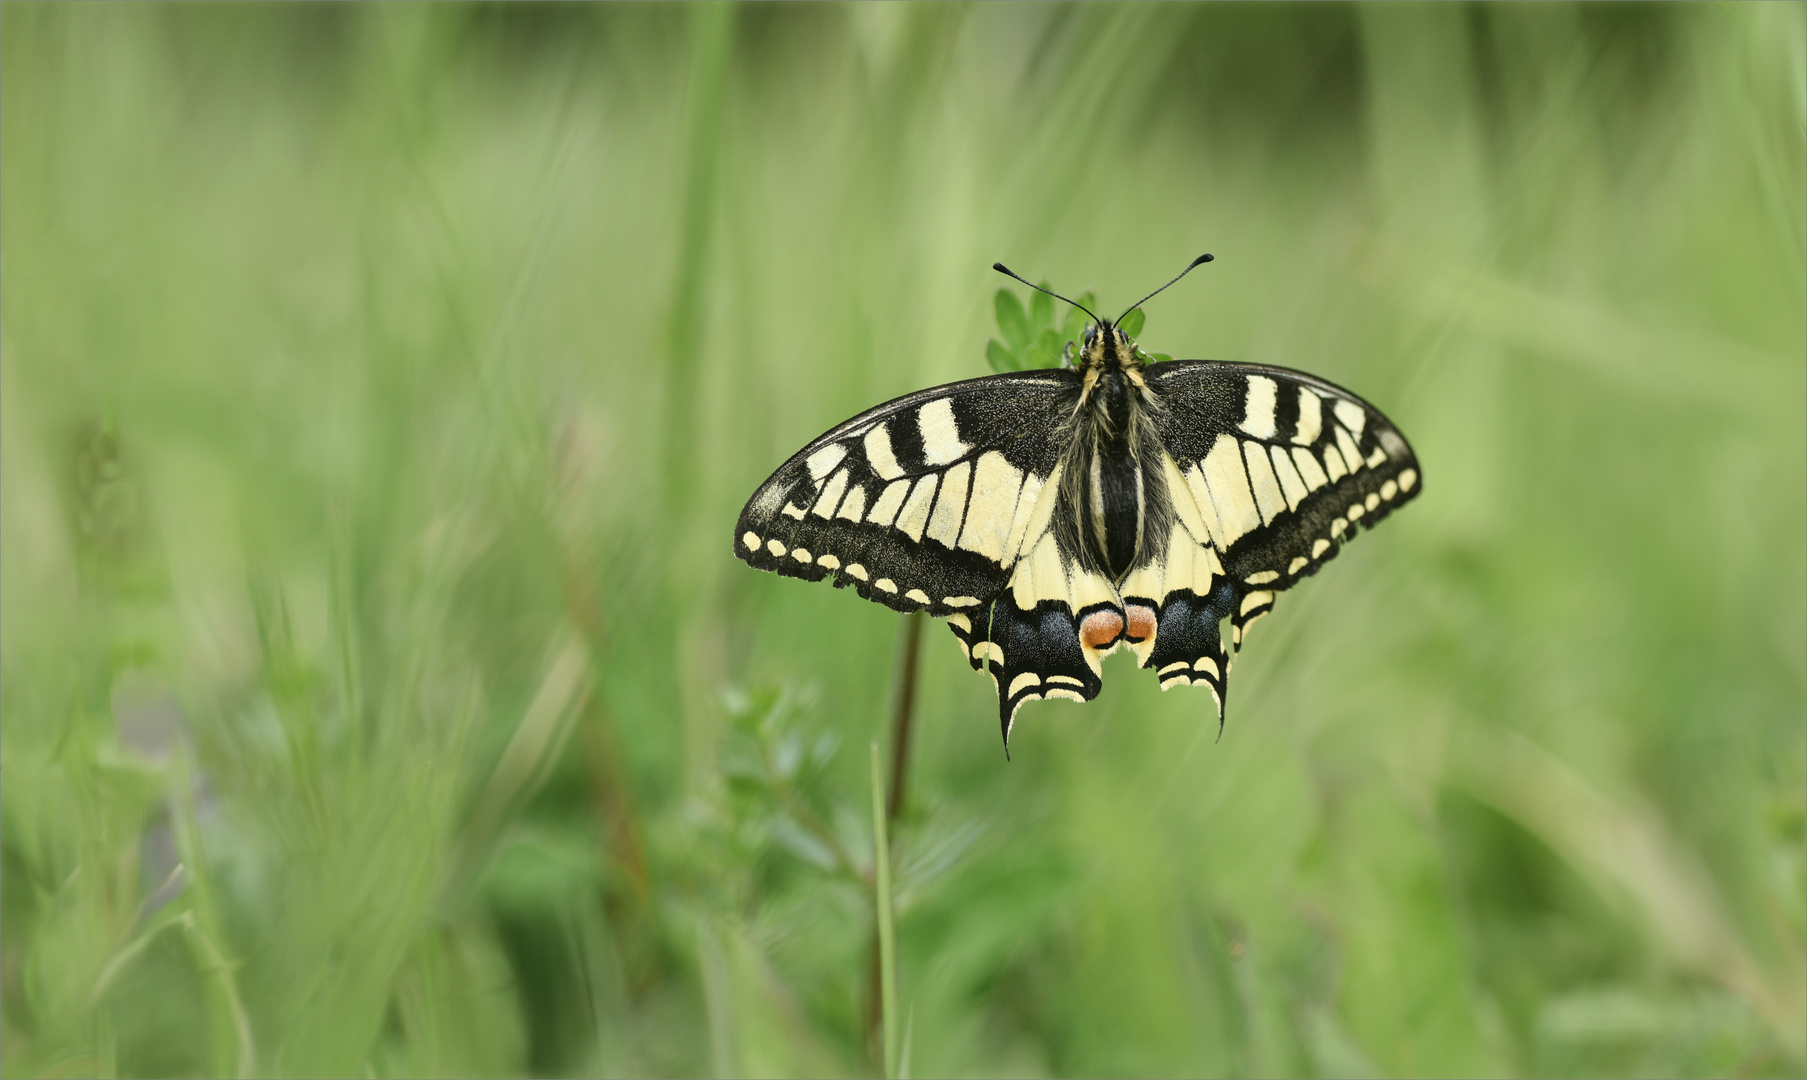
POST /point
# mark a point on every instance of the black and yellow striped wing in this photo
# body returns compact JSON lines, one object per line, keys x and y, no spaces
{"x":1271,"y":471}
{"x":922,"y":502}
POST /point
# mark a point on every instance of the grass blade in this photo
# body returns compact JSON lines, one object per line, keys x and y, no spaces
{"x":887,"y":937}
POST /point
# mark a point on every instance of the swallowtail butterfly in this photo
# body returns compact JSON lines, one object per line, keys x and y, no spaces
{"x":1051,"y":516}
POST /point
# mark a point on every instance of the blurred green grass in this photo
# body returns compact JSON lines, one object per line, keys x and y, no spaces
{"x":379,"y":385}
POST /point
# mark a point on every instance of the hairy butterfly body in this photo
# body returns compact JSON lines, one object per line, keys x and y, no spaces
{"x":1053,"y":516}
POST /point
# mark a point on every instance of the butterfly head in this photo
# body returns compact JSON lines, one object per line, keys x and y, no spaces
{"x":1107,"y":347}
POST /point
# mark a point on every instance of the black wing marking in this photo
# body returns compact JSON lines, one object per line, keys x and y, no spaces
{"x":1282,"y":467}
{"x":921,"y":503}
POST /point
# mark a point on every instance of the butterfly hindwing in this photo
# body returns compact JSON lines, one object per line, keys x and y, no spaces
{"x":920,"y":503}
{"x":1030,"y":654}
{"x":1048,"y":633}
{"x":1187,"y":595}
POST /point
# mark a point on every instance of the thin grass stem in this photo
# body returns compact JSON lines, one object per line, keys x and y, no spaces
{"x":887,"y":936}
{"x":903,"y":712}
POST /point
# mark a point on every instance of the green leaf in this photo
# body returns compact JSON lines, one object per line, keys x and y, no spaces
{"x":1000,"y":358}
{"x":1131,"y":323}
{"x":1045,"y":353}
{"x":1011,"y":320}
{"x":1041,"y":309}
{"x":1073,"y":325}
{"x":1158,"y":358}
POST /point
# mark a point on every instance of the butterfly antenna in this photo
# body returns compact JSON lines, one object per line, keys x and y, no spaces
{"x":1205,"y":258}
{"x":1002,"y":269}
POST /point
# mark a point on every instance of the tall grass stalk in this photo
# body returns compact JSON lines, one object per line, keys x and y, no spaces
{"x":903,"y":722}
{"x":887,"y":927}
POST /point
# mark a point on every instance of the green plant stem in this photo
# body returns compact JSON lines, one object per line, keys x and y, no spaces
{"x":887,"y":936}
{"x":903,"y":713}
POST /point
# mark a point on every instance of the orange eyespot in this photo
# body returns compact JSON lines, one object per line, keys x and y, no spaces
{"x":1100,"y":628}
{"x":1141,"y":623}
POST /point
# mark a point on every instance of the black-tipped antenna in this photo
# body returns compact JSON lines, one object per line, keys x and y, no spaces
{"x":1205,"y":258}
{"x":1002,"y":269}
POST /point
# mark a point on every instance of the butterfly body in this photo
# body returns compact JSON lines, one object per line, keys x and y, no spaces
{"x":1109,"y":494}
{"x":1052,"y":516}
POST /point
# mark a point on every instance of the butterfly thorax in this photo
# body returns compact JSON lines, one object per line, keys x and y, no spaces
{"x":1106,"y":482}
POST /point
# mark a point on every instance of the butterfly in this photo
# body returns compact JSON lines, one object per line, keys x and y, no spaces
{"x":1052,"y":516}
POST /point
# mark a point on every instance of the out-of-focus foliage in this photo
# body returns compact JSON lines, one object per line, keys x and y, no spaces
{"x":381,"y":696}
{"x":1033,"y":337}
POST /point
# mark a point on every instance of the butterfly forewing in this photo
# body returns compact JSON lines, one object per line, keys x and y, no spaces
{"x":920,"y":503}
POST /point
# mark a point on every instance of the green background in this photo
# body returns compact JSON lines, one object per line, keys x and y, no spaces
{"x":382,"y":698}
